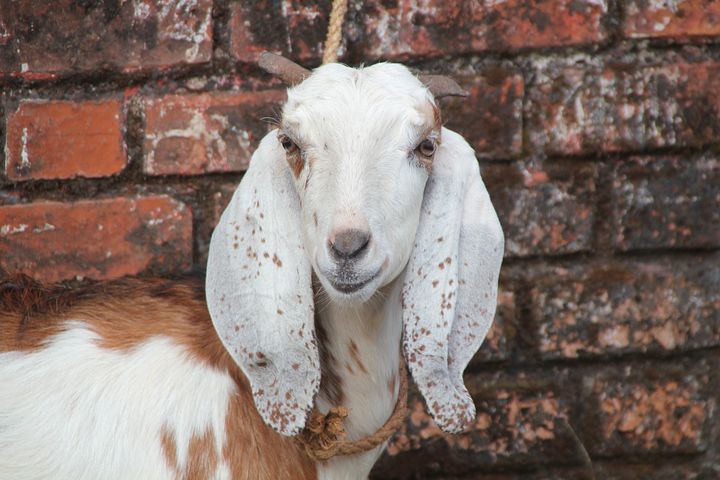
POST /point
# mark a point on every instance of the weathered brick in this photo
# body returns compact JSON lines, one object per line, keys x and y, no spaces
{"x":209,"y":132}
{"x":96,"y":238}
{"x":510,"y":428}
{"x":218,"y":197}
{"x":679,"y":20}
{"x":491,"y":118}
{"x":408,"y":29}
{"x":64,"y":139}
{"x":652,"y":413}
{"x":579,"y":109}
{"x":497,"y":344}
{"x":669,"y":201}
{"x":55,"y":37}
{"x":617,"y":308}
{"x":544,"y":209}
{"x":294,"y":29}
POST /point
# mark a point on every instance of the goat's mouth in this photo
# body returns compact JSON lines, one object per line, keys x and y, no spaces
{"x":350,"y":285}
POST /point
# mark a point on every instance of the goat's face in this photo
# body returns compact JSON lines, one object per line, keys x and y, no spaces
{"x":360,"y":145}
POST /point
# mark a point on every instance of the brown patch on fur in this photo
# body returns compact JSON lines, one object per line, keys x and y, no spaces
{"x":167,"y":441}
{"x":257,"y":451}
{"x":29,"y":311}
{"x":436,"y":126}
{"x":391,"y":384}
{"x":355,"y":354}
{"x":202,"y":457}
{"x":330,"y":381}
{"x":128,"y":313}
{"x":296,"y":163}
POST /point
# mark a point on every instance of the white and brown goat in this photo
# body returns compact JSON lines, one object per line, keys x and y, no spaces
{"x":361,"y":228}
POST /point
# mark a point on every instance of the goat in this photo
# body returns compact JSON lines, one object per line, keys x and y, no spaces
{"x":361,"y":228}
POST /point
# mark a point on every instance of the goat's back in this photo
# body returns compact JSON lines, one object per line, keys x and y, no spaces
{"x":126,"y":380}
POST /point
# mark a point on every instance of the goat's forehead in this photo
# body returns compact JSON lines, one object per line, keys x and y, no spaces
{"x":383,"y":90}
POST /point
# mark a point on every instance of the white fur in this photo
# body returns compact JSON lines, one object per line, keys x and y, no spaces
{"x":74,"y":410}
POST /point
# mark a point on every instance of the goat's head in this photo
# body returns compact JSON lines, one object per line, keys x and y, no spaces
{"x":360,"y":184}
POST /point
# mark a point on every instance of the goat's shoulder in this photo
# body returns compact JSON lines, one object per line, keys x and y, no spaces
{"x":140,"y":355}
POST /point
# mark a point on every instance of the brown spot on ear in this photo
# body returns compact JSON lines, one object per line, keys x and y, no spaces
{"x":315,"y":218}
{"x":355,"y":354}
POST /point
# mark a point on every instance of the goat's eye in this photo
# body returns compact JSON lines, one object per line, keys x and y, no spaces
{"x":287,"y":144}
{"x":426,"y":148}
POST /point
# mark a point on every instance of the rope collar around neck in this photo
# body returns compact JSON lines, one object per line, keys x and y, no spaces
{"x":323,"y":435}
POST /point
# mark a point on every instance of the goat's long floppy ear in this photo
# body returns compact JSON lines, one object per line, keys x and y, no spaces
{"x":259,"y":291}
{"x":450,"y":287}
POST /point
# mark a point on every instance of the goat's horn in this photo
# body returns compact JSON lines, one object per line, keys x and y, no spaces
{"x":442,"y":86}
{"x":287,"y":70}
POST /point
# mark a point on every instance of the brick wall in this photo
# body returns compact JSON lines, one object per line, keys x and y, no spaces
{"x":127,"y":125}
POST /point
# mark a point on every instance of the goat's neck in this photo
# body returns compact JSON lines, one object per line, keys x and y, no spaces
{"x":360,"y":348}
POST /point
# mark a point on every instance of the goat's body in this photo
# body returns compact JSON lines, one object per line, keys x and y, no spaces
{"x":127,"y":381}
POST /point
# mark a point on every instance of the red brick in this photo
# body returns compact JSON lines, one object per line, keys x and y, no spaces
{"x":496,"y":346}
{"x":583,"y":109}
{"x":217,"y":198}
{"x":678,"y":19}
{"x":96,"y":238}
{"x":209,"y":132}
{"x":620,"y":308}
{"x":55,"y":37}
{"x":294,"y":29}
{"x":544,"y":209}
{"x":63,"y":139}
{"x":491,"y":118}
{"x":510,"y":428}
{"x":666,"y":202}
{"x":650,"y":415}
{"x":408,"y":29}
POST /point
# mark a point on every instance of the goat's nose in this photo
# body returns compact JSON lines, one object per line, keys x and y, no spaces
{"x":349,"y":244}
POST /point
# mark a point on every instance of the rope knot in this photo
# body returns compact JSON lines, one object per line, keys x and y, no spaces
{"x":323,"y":436}
{"x":323,"y":433}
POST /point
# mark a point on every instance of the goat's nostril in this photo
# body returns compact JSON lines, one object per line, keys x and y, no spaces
{"x":350,"y":244}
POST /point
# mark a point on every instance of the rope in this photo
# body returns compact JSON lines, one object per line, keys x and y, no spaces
{"x":334,"y":33}
{"x":323,"y":434}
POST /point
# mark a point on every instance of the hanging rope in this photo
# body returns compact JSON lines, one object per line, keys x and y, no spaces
{"x":334,"y":33}
{"x":323,"y":435}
